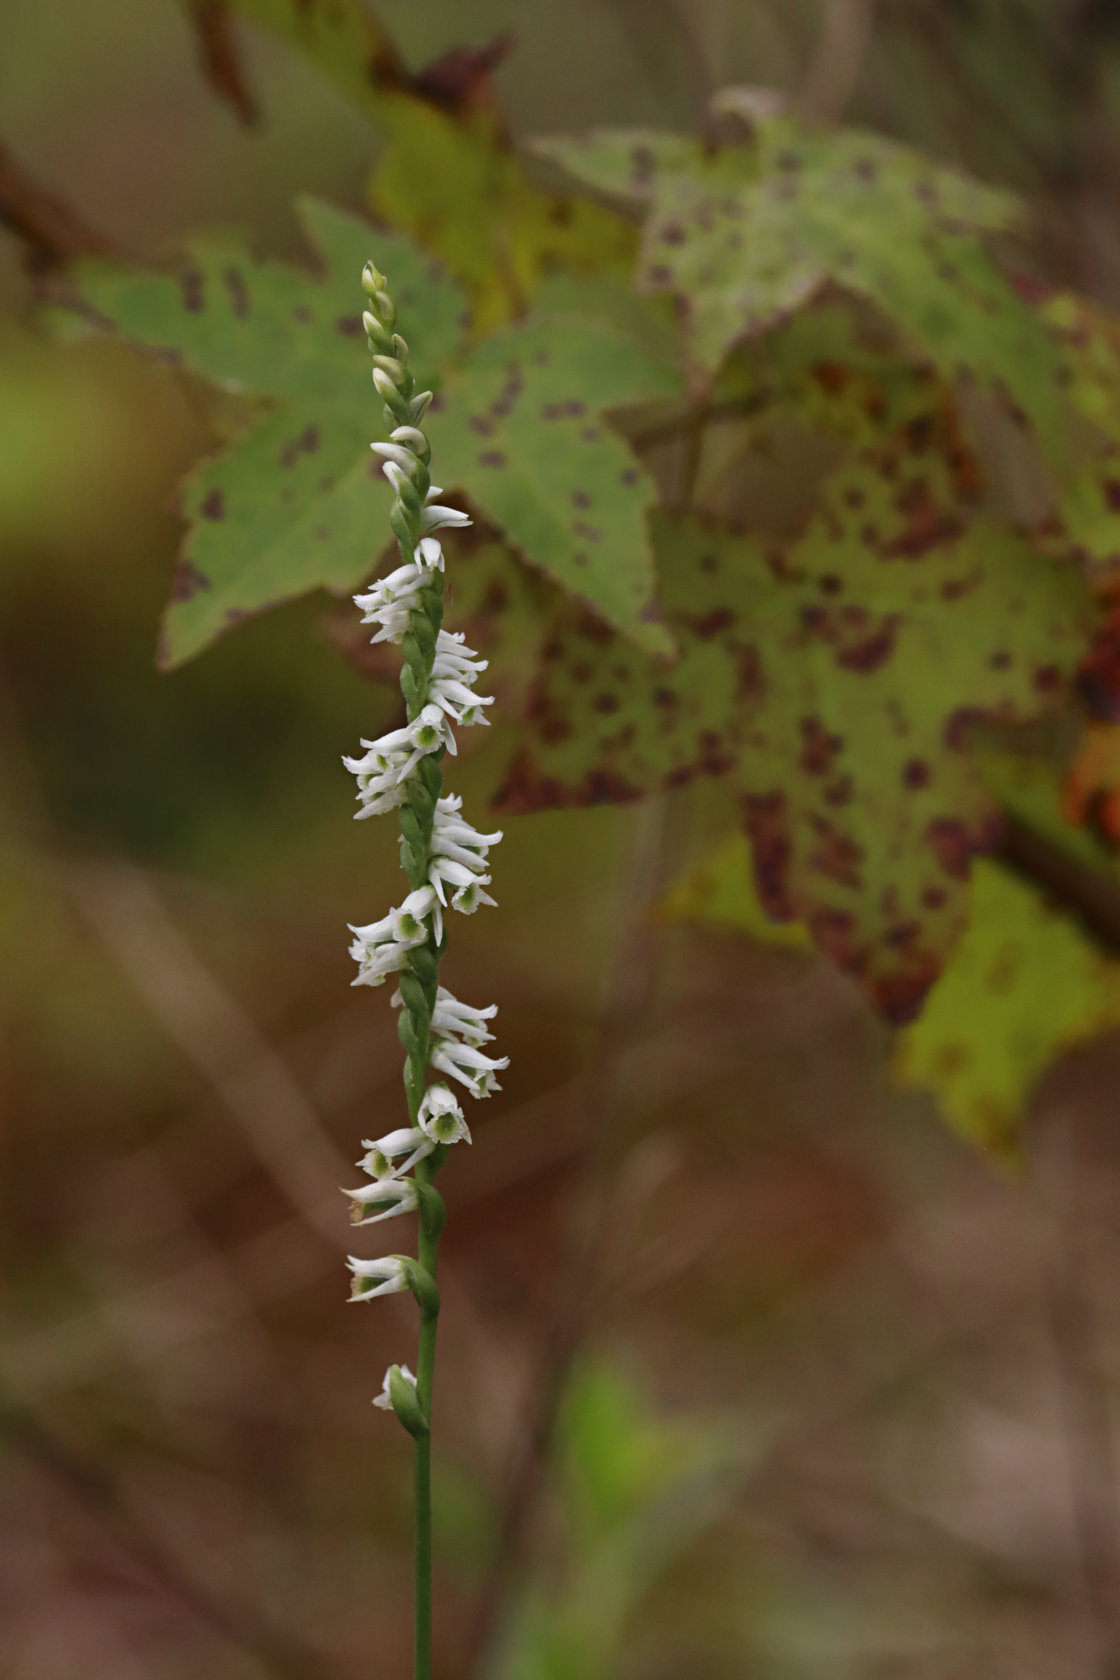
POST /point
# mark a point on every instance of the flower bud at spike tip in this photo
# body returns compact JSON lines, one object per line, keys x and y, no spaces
{"x":373,"y":281}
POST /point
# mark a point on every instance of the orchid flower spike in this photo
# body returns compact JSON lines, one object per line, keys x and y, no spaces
{"x":446,"y":860}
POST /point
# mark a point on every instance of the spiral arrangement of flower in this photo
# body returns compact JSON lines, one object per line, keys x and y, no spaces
{"x":447,"y":863}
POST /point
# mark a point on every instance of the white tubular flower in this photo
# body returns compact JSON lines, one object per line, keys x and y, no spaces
{"x":381,"y":1157}
{"x":376,"y":963}
{"x":383,"y":1399}
{"x":400,"y":751}
{"x":376,"y":1277}
{"x":397,"y":586}
{"x":452,"y":1019}
{"x":384,"y":757}
{"x":434,"y":516}
{"x":379,"y":794}
{"x":431,"y":731}
{"x":404,"y":923}
{"x":391,"y":599}
{"x":389,"y":1196}
{"x":381,"y":948}
{"x":428,"y":550}
{"x":470,"y":896}
{"x":459,"y":857}
{"x":453,"y":658}
{"x":453,"y":836}
{"x":466,"y":884}
{"x":455,"y":669}
{"x":458,"y":702}
{"x":468,"y":1065}
{"x":441,"y":1118}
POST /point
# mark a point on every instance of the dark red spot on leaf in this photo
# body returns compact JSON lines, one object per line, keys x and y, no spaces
{"x":767,"y":824}
{"x":836,"y":855}
{"x":187,"y":581}
{"x":305,"y":444}
{"x":192,"y":286}
{"x":818,"y":747}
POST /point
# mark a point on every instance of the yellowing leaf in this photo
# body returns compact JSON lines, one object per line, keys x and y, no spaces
{"x":1023,"y":984}
{"x":460,"y":190}
{"x":449,"y":176}
{"x":720,"y":892}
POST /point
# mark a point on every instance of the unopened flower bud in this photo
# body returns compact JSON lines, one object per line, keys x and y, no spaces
{"x":399,"y":1395}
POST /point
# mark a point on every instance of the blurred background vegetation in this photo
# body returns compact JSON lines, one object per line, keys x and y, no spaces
{"x":831,"y":1395}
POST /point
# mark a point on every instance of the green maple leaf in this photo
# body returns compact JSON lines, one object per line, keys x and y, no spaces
{"x":833,"y":680}
{"x":296,"y":502}
{"x":746,"y":235}
{"x":522,"y":428}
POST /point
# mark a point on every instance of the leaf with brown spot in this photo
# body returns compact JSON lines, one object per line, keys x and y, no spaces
{"x":523,"y":430}
{"x":746,"y":235}
{"x":841,"y":714}
{"x":720,"y":892}
{"x":295,"y":501}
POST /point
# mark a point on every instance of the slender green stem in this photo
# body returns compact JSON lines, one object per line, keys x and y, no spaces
{"x":422,"y":1466}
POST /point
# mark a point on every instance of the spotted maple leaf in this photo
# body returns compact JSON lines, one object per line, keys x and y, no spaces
{"x":833,"y":681}
{"x":744,"y":235}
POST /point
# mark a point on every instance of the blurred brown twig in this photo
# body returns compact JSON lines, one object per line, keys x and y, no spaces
{"x":223,"y":64}
{"x":838,"y":58}
{"x":51,"y":231}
